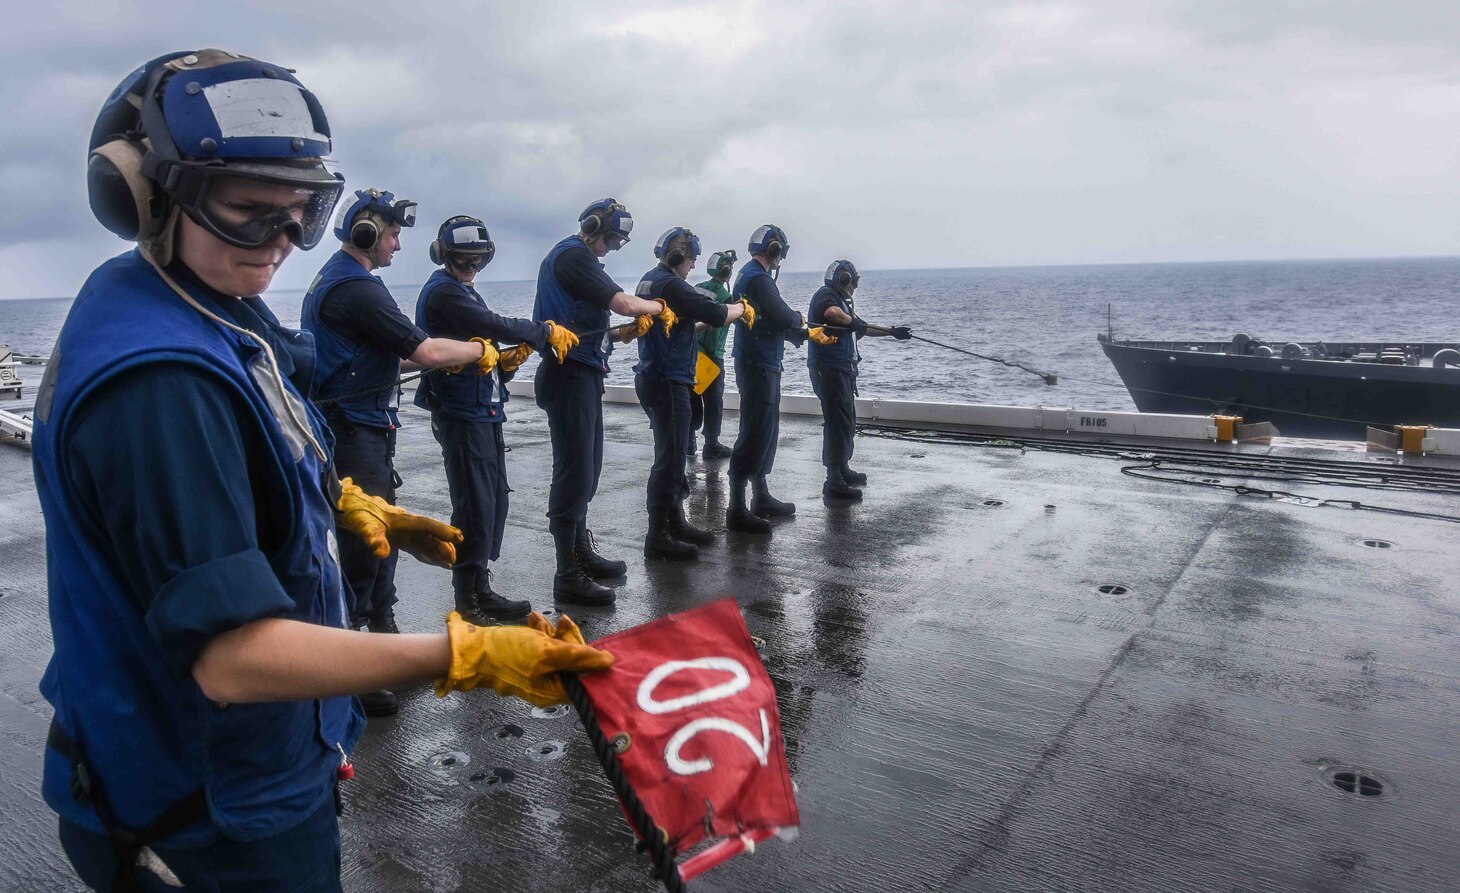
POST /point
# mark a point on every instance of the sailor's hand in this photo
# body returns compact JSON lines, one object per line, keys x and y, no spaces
{"x":521,"y":661}
{"x":666,"y":315}
{"x":901,"y":333}
{"x":747,"y":314}
{"x":488,"y":362}
{"x":509,"y":360}
{"x":561,"y":339}
{"x":818,"y":334}
{"x":636,"y":329}
{"x":382,"y":525}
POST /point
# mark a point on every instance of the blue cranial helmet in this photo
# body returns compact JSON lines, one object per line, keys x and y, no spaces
{"x":608,"y":217}
{"x":463,"y":235}
{"x":213,"y":122}
{"x":771,"y":241}
{"x":842,"y":274}
{"x":349,"y":227}
{"x":675,"y":244}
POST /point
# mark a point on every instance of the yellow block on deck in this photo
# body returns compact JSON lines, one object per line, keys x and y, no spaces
{"x":1227,"y":426}
{"x":1412,"y":437}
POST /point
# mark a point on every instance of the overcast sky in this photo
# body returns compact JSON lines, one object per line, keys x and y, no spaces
{"x":898,"y":135}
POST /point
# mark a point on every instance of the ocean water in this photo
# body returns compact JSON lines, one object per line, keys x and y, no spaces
{"x":1045,"y":317}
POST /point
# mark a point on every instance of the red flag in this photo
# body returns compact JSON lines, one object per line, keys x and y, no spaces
{"x":692,"y":712}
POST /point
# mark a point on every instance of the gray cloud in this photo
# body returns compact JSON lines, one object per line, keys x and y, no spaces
{"x":932,"y":134}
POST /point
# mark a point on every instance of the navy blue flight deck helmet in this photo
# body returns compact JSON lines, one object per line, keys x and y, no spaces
{"x":771,"y":241}
{"x":720,"y":263}
{"x":189,"y":131}
{"x":843,"y":275}
{"x":608,"y":217}
{"x":675,"y":245}
{"x":466,"y":235}
{"x":359,"y":223}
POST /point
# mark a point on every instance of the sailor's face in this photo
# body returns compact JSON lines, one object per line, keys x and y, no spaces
{"x":241,"y":272}
{"x":388,"y":245}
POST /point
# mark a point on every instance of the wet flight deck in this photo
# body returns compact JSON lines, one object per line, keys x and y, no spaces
{"x":1007,"y":669}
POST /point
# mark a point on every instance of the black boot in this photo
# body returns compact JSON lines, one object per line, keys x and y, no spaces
{"x":384,"y":622}
{"x":493,"y":605}
{"x":837,"y":487}
{"x":691,"y":450}
{"x":855,"y":478}
{"x":464,"y":588}
{"x":766,"y":505}
{"x":681,"y":529}
{"x":593,"y":564}
{"x":570,"y":584}
{"x":379,"y":703}
{"x":715,"y":450}
{"x":659,"y":543}
{"x":740,"y":518}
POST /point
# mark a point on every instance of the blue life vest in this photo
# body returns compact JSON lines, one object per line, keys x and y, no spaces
{"x":150,"y":735}
{"x":466,"y":395}
{"x":844,"y":354}
{"x":761,"y":346}
{"x":673,"y":357}
{"x":344,"y":365}
{"x":554,"y":303}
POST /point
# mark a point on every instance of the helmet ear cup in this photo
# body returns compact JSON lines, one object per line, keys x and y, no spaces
{"x":437,"y":257}
{"x":123,"y":200}
{"x":775,"y":249}
{"x":843,"y":278}
{"x":364,"y":234}
{"x":674,"y":257}
{"x":591,"y":224}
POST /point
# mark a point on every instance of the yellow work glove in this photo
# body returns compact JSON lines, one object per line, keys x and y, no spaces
{"x":522,"y":661}
{"x":636,"y":329}
{"x":666,"y":316}
{"x":749,"y":316}
{"x":382,"y":525}
{"x":509,"y":360}
{"x":818,"y":334}
{"x":488,"y":362}
{"x":561,"y":339}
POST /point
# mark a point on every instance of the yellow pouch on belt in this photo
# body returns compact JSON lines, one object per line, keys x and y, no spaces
{"x":706,"y":371}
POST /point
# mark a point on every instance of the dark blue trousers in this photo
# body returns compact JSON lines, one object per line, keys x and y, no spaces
{"x":304,"y":859}
{"x":363,"y":453}
{"x":476,"y":474}
{"x":572,"y":396}
{"x":760,"y":421}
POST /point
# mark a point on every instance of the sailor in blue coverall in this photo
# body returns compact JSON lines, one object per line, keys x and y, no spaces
{"x":203,"y":672}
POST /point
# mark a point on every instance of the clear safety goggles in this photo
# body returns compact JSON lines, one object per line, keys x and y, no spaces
{"x":249,"y":205}
{"x":403,"y":213}
{"x":471,"y":260}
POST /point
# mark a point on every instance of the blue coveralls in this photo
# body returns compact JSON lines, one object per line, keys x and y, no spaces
{"x":758,"y":353}
{"x":664,"y":376}
{"x":571,"y":394}
{"x":467,"y":410}
{"x":833,"y":369}
{"x":249,"y":786}
{"x":364,"y":425}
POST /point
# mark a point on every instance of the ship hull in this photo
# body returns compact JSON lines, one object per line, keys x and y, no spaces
{"x":1302,"y":397}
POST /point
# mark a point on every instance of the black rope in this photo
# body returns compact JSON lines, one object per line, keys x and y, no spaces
{"x":651,"y":837}
{"x":1243,"y":490}
{"x":405,"y":379}
{"x":1196,"y":461}
{"x":330,"y":401}
{"x":1049,"y":377}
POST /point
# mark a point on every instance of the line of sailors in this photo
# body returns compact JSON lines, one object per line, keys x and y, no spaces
{"x":364,"y":342}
